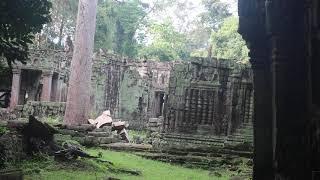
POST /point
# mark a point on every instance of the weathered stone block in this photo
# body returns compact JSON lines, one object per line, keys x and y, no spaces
{"x":104,"y":129}
{"x":99,"y":134}
{"x":72,"y":132}
{"x":108,"y":140}
{"x":86,"y":127}
{"x":91,"y":141}
{"x":154,"y":120}
{"x":80,"y":140}
{"x":16,"y":124}
{"x":3,"y":123}
{"x":154,"y":129}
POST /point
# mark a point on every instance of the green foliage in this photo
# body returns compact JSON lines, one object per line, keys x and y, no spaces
{"x":20,"y":20}
{"x":228,"y":43}
{"x":105,"y":27}
{"x":53,"y":120}
{"x":167,"y":44}
{"x":63,"y":16}
{"x":216,"y":12}
{"x":117,"y":23}
{"x":3,"y":130}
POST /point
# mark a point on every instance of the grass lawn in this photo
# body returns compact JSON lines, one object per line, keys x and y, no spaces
{"x":84,"y":169}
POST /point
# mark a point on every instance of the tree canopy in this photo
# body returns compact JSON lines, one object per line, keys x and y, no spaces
{"x":19,"y":21}
{"x":117,"y":25}
{"x":163,"y":30}
{"x":63,"y":16}
{"x":228,"y":43}
{"x":167,"y":44}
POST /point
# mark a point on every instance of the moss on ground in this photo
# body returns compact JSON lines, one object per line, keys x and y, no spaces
{"x":124,"y":168}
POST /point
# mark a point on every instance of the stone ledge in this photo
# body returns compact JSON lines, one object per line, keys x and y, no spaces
{"x":100,"y":134}
{"x":127,"y":147}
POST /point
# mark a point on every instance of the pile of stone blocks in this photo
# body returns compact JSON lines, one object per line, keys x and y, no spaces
{"x":155,"y":124}
{"x":87,"y":135}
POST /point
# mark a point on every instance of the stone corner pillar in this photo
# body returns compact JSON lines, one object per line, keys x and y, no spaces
{"x":59,"y":92}
{"x":252,"y":27}
{"x":15,"y":88}
{"x":47,"y":83}
{"x":262,"y":116}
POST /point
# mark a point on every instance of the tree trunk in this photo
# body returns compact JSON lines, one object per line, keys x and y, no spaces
{"x":78,"y":100}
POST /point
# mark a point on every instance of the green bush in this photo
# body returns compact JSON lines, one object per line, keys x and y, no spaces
{"x":3,"y":130}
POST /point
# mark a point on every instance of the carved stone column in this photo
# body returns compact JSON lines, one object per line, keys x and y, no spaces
{"x":15,"y":88}
{"x":252,"y":28}
{"x":229,"y":104}
{"x":46,"y":88}
{"x":262,"y":117}
{"x":287,"y":26}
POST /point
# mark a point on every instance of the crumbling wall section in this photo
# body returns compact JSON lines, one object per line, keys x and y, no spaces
{"x":128,"y":88}
{"x":208,"y":97}
{"x":44,"y":109}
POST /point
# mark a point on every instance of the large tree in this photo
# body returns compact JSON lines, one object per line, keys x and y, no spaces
{"x":78,"y":100}
{"x":19,"y":21}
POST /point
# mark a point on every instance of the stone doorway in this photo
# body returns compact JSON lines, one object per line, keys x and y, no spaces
{"x":54,"y":88}
{"x":29,"y":88}
{"x":159,"y":103}
{"x":160,"y":97}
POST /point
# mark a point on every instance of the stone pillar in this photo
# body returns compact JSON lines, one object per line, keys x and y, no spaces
{"x":262,"y":116}
{"x":15,"y":88}
{"x":54,"y":87}
{"x":58,"y":97}
{"x":252,"y":27}
{"x":46,"y":88}
{"x":291,"y":88}
{"x":227,"y":119}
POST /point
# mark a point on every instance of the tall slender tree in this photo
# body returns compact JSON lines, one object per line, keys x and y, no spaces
{"x":77,"y":110}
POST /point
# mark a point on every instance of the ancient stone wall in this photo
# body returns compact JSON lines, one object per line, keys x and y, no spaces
{"x":208,"y":97}
{"x":44,"y":109}
{"x":130,"y":89}
{"x":204,"y":96}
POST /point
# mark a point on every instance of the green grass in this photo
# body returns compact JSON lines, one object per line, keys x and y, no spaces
{"x":84,"y":169}
{"x":133,"y":133}
{"x":52,"y":120}
{"x":155,"y":170}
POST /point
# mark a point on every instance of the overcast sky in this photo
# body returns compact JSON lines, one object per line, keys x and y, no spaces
{"x":194,"y":9}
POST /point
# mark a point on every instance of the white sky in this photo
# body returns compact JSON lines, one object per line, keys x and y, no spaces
{"x":195,"y":8}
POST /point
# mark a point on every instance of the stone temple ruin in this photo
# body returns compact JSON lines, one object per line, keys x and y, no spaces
{"x":208,"y":97}
{"x":200,"y":104}
{"x":43,"y":78}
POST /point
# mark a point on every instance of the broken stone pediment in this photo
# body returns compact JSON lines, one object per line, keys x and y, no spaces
{"x":103,"y":119}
